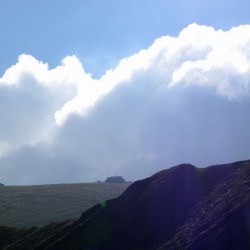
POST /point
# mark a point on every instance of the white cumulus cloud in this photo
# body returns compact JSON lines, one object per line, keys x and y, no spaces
{"x":183,"y":99}
{"x":199,"y":55}
{"x":30,"y":94}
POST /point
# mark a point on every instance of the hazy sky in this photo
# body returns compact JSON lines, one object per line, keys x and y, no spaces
{"x":90,"y":89}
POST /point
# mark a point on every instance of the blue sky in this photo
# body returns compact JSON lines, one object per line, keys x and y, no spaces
{"x":89,"y":89}
{"x":102,"y":32}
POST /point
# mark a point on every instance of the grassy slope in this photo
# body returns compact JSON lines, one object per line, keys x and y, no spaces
{"x":26,"y":206}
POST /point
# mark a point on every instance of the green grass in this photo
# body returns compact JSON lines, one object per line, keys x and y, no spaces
{"x":27,"y":206}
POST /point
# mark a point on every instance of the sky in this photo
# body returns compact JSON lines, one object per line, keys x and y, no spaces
{"x":90,"y":89}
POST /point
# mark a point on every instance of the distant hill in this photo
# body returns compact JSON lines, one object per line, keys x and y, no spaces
{"x":180,"y":208}
{"x":27,"y":206}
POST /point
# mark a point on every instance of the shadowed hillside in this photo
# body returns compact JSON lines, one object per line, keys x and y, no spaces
{"x":180,"y":208}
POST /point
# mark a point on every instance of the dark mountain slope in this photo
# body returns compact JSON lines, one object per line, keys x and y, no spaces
{"x":9,"y":235}
{"x":222,"y":219}
{"x":155,"y":212}
{"x":39,"y":238}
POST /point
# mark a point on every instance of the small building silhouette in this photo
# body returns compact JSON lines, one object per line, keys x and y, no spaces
{"x":115,"y":179}
{"x":1,"y":184}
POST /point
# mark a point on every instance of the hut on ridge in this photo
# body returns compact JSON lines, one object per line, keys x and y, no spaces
{"x":115,"y":179}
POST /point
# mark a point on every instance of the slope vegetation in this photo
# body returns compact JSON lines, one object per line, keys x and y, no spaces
{"x":27,"y":206}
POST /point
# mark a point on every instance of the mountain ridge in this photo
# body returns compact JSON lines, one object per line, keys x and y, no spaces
{"x":159,"y":212}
